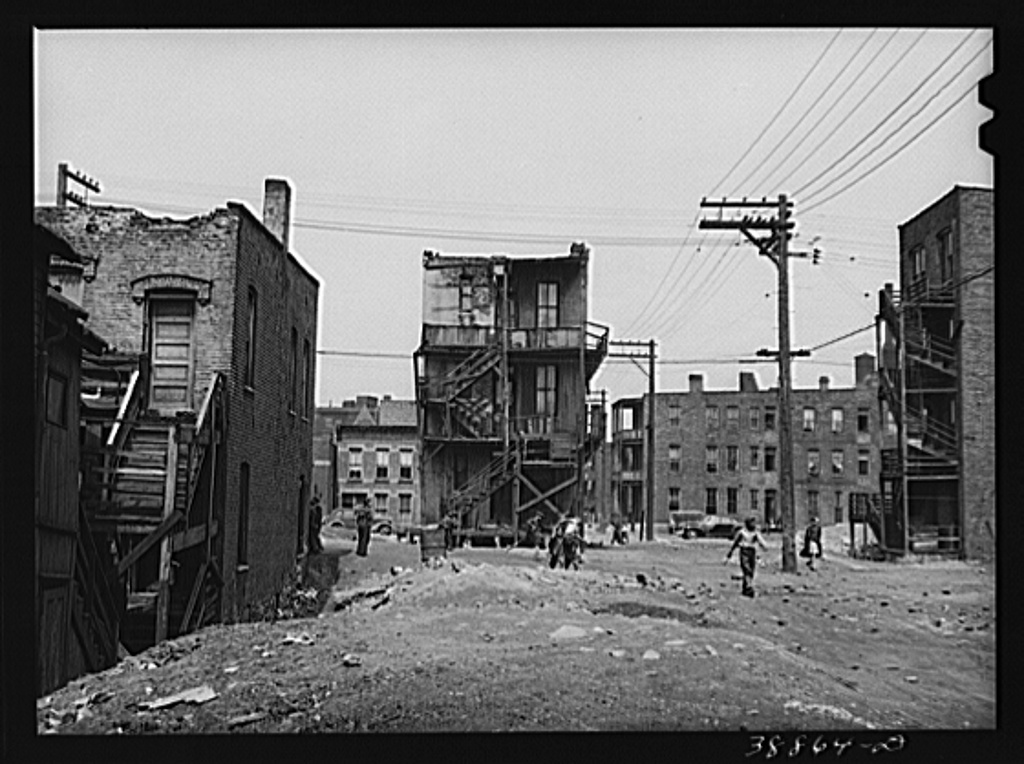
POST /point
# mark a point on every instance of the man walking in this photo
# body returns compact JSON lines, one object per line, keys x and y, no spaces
{"x":364,"y":519}
{"x":316,"y":520}
{"x":747,"y":538}
{"x":812,"y":535}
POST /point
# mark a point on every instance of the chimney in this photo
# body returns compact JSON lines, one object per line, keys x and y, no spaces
{"x":823,"y":383}
{"x":748,"y":382}
{"x":864,"y":367}
{"x":696,"y":383}
{"x":277,"y":201}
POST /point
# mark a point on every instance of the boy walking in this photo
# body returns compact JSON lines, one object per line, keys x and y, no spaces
{"x":747,"y":538}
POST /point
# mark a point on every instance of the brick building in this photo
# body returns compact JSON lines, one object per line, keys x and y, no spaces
{"x":209,"y":457}
{"x":375,"y":457}
{"x":936,"y":339}
{"x":717,"y":450}
{"x":502,"y":371}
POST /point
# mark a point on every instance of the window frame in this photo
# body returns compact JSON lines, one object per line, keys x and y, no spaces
{"x":675,"y":451}
{"x":863,"y":462}
{"x":814,"y":462}
{"x":838,"y":469}
{"x":252,"y":321}
{"x":732,"y":500}
{"x":754,"y":418}
{"x":712,"y":420}
{"x":56,"y":390}
{"x":710,"y":500}
{"x":770,"y":459}
{"x":548,"y":299}
{"x":405,"y":454}
{"x":755,"y":457}
{"x":837,"y":420}
{"x":355,"y":464}
{"x":711,"y":459}
{"x":770,"y":418}
{"x":810,"y":419}
{"x":382,"y":471}
{"x":732,"y":458}
{"x":732,"y":416}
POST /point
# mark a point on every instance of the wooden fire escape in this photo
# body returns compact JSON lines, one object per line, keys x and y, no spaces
{"x":926,"y":446}
{"x":151,"y":486}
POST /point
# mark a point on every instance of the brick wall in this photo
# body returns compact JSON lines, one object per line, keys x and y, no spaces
{"x":976,"y":308}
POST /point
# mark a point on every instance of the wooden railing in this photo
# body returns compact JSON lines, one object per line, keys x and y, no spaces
{"x":101,"y":611}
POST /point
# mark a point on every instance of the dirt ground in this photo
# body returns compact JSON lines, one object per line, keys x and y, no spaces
{"x":652,"y":636}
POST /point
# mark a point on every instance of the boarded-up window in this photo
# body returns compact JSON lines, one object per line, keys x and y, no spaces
{"x":243,"y":515}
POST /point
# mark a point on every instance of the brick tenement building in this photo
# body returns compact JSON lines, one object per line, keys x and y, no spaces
{"x":936,"y":338}
{"x":717,"y":450}
{"x":376,"y":456}
{"x":220,"y":312}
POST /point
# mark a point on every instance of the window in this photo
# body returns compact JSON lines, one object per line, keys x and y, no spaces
{"x":712,"y":458}
{"x":383,"y":456}
{"x":673,"y":498}
{"x":769,"y":417}
{"x":863,"y":420}
{"x":249,"y":372}
{"x":946,"y":254}
{"x":770,"y":507}
{"x":809,"y":418}
{"x":732,"y":416}
{"x":307,"y":379}
{"x":355,"y":463}
{"x":405,"y":464}
{"x":547,"y":388}
{"x":352,"y":500}
{"x":863,"y":463}
{"x":813,"y":462}
{"x":755,"y":457}
{"x":732,"y":458}
{"x":837,"y":420}
{"x":242,"y":548}
{"x":56,"y":399}
{"x":547,"y":304}
{"x":711,"y":417}
{"x":839,"y":507}
{"x":465,"y":294}
{"x":624,"y":419}
{"x":755,"y":418}
{"x":917,"y":260}
{"x":380,"y":503}
{"x":293,"y":395}
{"x":890,"y":423}
{"x":673,"y":414}
{"x":837,"y":461}
{"x":753,"y":499}
{"x":632,"y":458}
{"x":673,"y":457}
{"x":812,"y":504}
{"x":711,"y":501}
{"x":769,"y":459}
{"x":404,"y":506}
{"x":731,"y":499}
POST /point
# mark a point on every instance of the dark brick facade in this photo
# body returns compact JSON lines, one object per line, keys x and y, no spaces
{"x":684,"y":430}
{"x":218,"y":258}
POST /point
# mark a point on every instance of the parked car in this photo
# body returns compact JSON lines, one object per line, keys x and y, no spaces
{"x":685,"y":523}
{"x":382,"y":526}
{"x":712,"y":526}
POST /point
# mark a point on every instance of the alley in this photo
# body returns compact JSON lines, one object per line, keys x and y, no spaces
{"x":650,"y":636}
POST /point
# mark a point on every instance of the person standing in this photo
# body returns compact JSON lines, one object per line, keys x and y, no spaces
{"x":364,"y":519}
{"x":316,"y":520}
{"x":448,"y":524}
{"x":747,"y":538}
{"x":812,"y":536}
{"x":618,"y":535}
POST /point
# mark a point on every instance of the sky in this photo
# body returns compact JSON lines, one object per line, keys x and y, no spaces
{"x":523,"y":141}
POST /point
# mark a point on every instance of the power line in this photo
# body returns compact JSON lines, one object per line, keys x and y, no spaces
{"x":782,"y":108}
{"x":887,"y":117}
{"x":832,"y":133}
{"x":898,"y":150}
{"x":828,"y":87}
{"x":775,"y":148}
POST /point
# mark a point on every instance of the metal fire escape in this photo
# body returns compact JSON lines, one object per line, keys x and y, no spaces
{"x":918,"y":384}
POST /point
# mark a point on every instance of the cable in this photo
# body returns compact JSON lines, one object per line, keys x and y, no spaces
{"x":782,"y":108}
{"x":898,"y":150}
{"x":917,"y":88}
{"x":832,"y":133}
{"x":828,"y":87}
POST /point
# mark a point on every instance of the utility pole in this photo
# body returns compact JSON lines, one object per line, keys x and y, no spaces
{"x":633,"y":355}
{"x":775,"y":247}
{"x":63,"y":195}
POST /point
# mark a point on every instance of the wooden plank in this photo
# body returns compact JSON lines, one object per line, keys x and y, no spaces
{"x":194,"y":596}
{"x":158,"y":534}
{"x":163,"y":600}
{"x":189,"y":538}
{"x":561,"y":486}
{"x":84,"y":641}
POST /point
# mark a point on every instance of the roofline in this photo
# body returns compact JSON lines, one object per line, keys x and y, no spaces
{"x":240,"y":206}
{"x":953,"y":191}
{"x":53,"y":243}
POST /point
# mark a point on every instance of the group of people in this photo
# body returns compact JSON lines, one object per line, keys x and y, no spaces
{"x":364,"y":522}
{"x":748,"y":538}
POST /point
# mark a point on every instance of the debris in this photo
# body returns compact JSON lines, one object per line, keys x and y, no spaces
{"x":568,"y":632}
{"x":675,"y":643}
{"x":238,"y":721}
{"x":302,"y":638}
{"x":651,"y":655}
{"x":641,"y":579}
{"x":396,"y":569}
{"x":711,"y":651}
{"x":587,"y":649}
{"x":201,"y":694}
{"x":349,"y":659}
{"x":616,"y":653}
{"x":230,"y":669}
{"x":487,"y":637}
{"x":912,"y":679}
